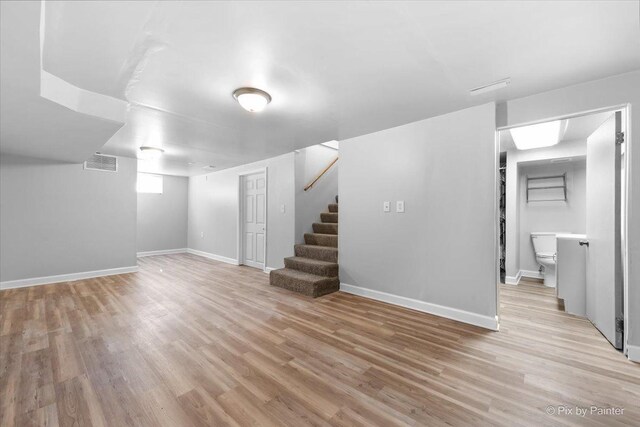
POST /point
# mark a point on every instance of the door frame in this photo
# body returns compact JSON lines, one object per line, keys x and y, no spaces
{"x":625,"y":199}
{"x":239,"y":227}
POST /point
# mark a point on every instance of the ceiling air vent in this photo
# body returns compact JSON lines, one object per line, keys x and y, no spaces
{"x":102,"y":162}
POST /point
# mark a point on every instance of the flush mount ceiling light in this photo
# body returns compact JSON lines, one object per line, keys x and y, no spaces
{"x":252,"y":99}
{"x":150,"y":153}
{"x":490,"y":87}
{"x":537,"y":136}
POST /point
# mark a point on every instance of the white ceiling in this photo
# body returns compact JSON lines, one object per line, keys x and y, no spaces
{"x":577,"y":129}
{"x":334,"y":69}
{"x":29,"y":124}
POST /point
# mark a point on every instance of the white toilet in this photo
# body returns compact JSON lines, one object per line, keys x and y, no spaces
{"x":544,"y":245}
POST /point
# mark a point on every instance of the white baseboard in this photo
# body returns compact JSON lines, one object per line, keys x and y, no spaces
{"x":213,"y":256}
{"x":513,"y":280}
{"x":269,"y":269}
{"x":531,"y":273}
{"x":487,"y":322}
{"x":633,"y":353}
{"x":162,"y":252}
{"x":23,"y":283}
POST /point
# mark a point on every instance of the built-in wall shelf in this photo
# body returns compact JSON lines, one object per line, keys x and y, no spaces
{"x":551,"y":188}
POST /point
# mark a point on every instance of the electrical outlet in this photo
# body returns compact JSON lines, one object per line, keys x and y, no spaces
{"x":283,"y":208}
{"x":386,"y":207}
{"x":400,"y":206}
{"x":202,"y":234}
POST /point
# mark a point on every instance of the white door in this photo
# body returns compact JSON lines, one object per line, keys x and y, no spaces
{"x":254,"y":225}
{"x":604,"y":261}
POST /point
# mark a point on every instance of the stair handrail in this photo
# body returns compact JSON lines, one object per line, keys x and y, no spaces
{"x":312,"y":183}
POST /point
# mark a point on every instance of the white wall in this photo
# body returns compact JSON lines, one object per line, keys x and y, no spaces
{"x":514,"y":159}
{"x":58,"y":219}
{"x":611,"y":91}
{"x":162,"y":218}
{"x":310,"y":162}
{"x":441,"y":254}
{"x":213,"y":210}
{"x":569,"y":216}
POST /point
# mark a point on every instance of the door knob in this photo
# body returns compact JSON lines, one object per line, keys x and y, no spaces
{"x":583,"y":243}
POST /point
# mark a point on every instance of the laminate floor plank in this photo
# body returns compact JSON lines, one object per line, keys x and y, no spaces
{"x":191,"y":341}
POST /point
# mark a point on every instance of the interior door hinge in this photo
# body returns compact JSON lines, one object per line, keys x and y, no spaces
{"x":619,"y":138}
{"x":619,"y":324}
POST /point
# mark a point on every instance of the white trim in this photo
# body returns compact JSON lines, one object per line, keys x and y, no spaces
{"x":633,"y":353}
{"x":533,"y":274}
{"x":565,"y":116}
{"x":269,"y":269}
{"x":213,"y":256}
{"x":482,"y":321}
{"x":627,"y":205}
{"x":23,"y":283}
{"x":162,"y":252}
{"x":496,"y":214}
{"x":513,"y":280}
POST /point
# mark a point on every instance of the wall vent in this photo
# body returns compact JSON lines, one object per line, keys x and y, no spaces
{"x":102,"y":162}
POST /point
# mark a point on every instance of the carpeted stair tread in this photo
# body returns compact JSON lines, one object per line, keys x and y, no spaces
{"x":325,"y":228}
{"x":314,"y":269}
{"x":304,"y":283}
{"x":312,"y":266}
{"x":330,"y":217}
{"x":322,"y":253}
{"x":321,"y":239}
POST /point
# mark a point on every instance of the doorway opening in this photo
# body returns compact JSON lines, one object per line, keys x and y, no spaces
{"x":252,"y":219}
{"x":562,"y":214}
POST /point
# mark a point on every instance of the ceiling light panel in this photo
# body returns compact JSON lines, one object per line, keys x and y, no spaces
{"x":537,"y":136}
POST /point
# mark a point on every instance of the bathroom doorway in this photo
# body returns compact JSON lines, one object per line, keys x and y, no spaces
{"x":562,"y":214}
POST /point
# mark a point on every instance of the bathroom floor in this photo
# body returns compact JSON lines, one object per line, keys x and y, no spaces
{"x":537,"y":287}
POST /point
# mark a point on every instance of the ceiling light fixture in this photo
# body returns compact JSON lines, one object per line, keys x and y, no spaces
{"x":537,"y":136}
{"x":150,"y":153}
{"x":252,"y":99}
{"x":491,"y":86}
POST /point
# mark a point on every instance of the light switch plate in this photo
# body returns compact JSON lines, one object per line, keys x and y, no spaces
{"x":386,"y":207}
{"x":400,"y":206}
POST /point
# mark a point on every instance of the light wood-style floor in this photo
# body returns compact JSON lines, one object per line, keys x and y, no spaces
{"x":189,"y":341}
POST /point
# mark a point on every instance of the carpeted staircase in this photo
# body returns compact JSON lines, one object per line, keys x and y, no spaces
{"x":313,"y":271}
